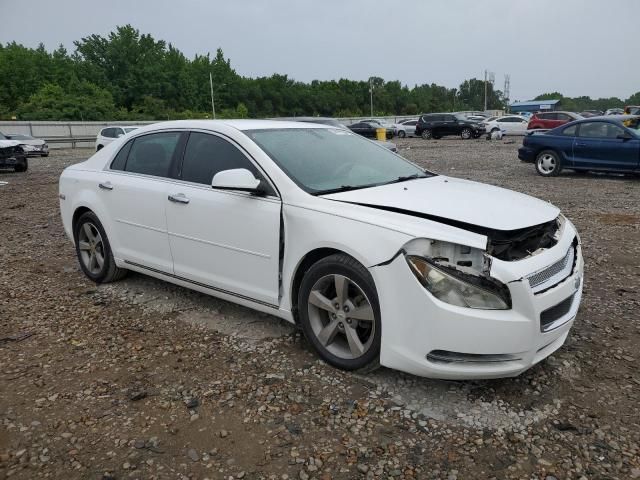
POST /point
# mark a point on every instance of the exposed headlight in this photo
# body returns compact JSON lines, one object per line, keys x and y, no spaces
{"x":458,"y":288}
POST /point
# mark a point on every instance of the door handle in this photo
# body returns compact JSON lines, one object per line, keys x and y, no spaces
{"x":178,"y":198}
{"x":106,"y":186}
{"x":581,"y":144}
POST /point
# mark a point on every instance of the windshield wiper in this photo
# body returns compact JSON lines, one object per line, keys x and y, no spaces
{"x":406,"y":178}
{"x":343,"y":188}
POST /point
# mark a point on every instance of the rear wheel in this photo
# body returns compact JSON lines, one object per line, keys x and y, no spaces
{"x":402,"y":133}
{"x":339,"y":313}
{"x":94,"y":251}
{"x":548,"y":163}
{"x":426,"y":134}
{"x":466,"y":133}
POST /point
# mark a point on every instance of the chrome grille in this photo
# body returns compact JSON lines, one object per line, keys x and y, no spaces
{"x":553,"y":274}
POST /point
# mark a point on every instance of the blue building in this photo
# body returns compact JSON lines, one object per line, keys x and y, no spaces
{"x":534,"y":106}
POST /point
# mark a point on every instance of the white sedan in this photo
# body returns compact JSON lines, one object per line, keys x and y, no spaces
{"x":379,"y":261}
{"x":509,"y":124}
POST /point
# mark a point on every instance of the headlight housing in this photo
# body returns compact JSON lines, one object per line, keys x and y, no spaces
{"x":458,"y":288}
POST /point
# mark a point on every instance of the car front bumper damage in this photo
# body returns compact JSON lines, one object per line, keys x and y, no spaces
{"x":425,"y":336}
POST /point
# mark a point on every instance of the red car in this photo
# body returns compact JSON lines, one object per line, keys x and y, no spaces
{"x":549,"y":120}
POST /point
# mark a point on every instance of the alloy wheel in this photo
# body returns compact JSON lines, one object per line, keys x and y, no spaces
{"x":466,"y":134}
{"x":91,"y":248}
{"x":341,"y":317}
{"x":547,"y":163}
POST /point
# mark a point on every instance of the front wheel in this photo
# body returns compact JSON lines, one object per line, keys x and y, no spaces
{"x":339,"y":313}
{"x":466,"y":133}
{"x":548,"y":163}
{"x":94,"y":251}
{"x":23,"y":167}
{"x":426,"y":134}
{"x":402,"y":134}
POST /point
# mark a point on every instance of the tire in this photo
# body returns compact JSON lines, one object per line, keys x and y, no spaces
{"x":89,"y":232}
{"x":402,"y":134}
{"x":548,"y":163}
{"x":325,"y":317}
{"x":466,"y":133}
{"x":426,"y":134}
{"x":437,"y":137}
{"x":23,"y":167}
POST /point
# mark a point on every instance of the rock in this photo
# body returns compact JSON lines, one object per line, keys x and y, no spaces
{"x":224,"y":434}
{"x":192,"y":403}
{"x":193,"y":455}
{"x":303,"y":475}
{"x":362,"y":468}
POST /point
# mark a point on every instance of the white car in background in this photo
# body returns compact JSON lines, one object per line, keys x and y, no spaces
{"x":109,"y":134}
{"x":406,"y":128}
{"x":379,"y":261}
{"x":509,"y":124}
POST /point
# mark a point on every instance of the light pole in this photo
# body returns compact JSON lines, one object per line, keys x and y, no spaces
{"x":371,"y":96}
{"x":213,"y":105}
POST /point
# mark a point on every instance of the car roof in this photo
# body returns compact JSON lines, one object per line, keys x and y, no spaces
{"x":237,"y":124}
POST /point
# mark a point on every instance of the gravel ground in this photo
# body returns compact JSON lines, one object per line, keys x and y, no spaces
{"x":141,"y":379}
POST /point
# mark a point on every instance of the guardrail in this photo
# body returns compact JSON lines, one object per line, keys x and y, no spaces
{"x":70,"y":140}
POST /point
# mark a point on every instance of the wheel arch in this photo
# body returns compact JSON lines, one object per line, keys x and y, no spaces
{"x":303,"y":266}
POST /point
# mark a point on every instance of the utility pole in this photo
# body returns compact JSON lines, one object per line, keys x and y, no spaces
{"x":507,"y":88}
{"x":485,"y":90}
{"x":213,"y":105}
{"x":371,"y":95}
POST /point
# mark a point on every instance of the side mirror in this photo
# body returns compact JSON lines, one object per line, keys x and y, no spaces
{"x":239,"y":179}
{"x":625,"y":136}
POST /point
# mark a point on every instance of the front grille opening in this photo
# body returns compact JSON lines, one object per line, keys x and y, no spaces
{"x":445,"y":356}
{"x":518,"y":244}
{"x":555,"y":313}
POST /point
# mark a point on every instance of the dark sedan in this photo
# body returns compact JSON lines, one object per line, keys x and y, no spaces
{"x":367,"y":129}
{"x":610,"y":143}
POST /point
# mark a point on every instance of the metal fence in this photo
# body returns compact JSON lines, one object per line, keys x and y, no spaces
{"x":61,"y":134}
{"x":83,"y":134}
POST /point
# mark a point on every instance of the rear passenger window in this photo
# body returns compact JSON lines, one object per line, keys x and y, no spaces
{"x":151,"y":154}
{"x":570,"y":131}
{"x":207,"y":155}
{"x":120,"y":159}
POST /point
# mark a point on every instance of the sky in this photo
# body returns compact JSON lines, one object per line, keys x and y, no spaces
{"x":576,"y":47}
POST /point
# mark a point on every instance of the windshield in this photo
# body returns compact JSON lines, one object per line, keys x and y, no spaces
{"x":322,"y":160}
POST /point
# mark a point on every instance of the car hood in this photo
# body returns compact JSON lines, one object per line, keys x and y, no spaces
{"x":454,"y":201}
{"x":8,"y":143}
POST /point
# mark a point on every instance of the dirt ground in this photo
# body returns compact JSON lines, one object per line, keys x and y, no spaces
{"x":141,"y":379}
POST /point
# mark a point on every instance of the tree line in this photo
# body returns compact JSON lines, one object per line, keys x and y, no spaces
{"x":131,"y":76}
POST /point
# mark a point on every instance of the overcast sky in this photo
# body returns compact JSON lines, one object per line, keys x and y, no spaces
{"x":577,"y":47}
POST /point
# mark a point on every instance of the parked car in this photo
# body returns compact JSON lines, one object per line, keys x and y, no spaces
{"x":382,"y":124}
{"x":609,"y":143}
{"x":407,"y":128}
{"x":32,"y":146}
{"x":509,"y":124}
{"x":632,"y":110}
{"x":438,"y":125}
{"x":109,"y":134}
{"x":335,"y":123}
{"x":591,"y":113}
{"x":614,"y":111}
{"x":379,"y":261}
{"x":368,"y":129}
{"x":549,"y":120}
{"x":12,"y":155}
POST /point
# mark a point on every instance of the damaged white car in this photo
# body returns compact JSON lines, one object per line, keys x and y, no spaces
{"x":379,"y":261}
